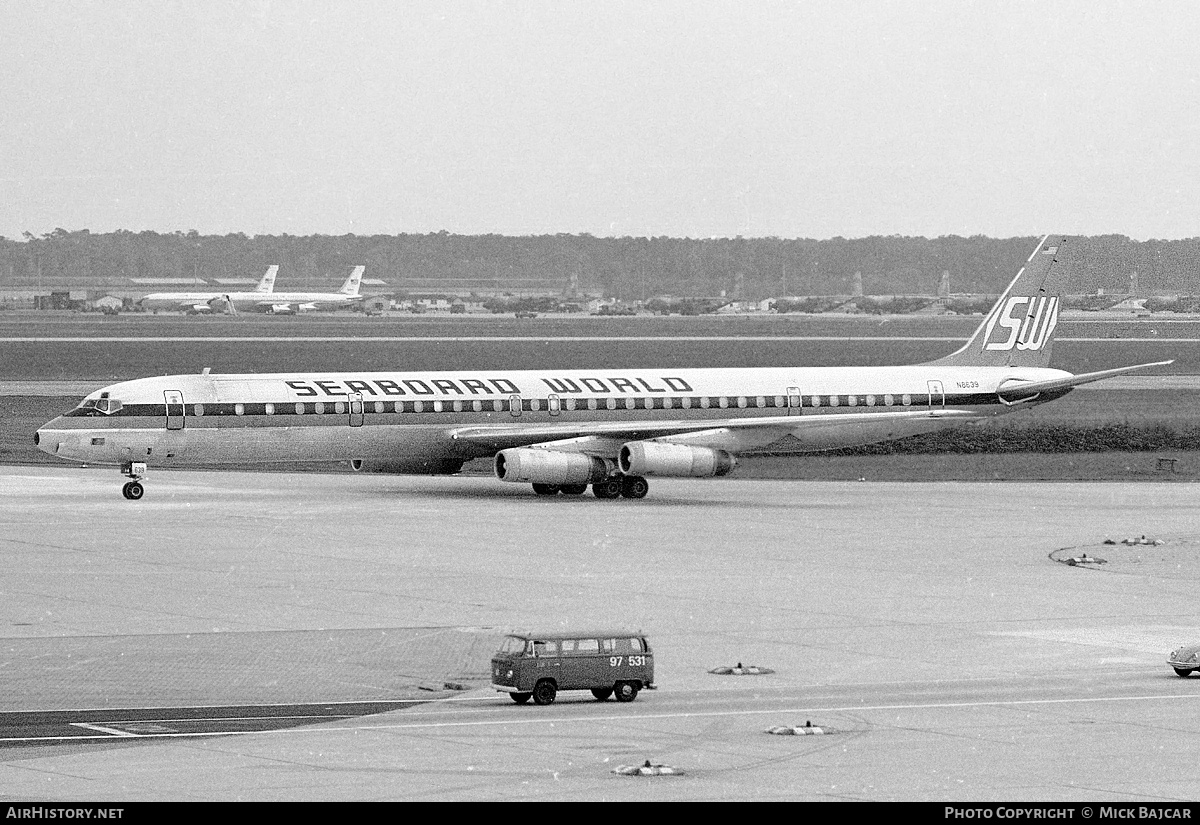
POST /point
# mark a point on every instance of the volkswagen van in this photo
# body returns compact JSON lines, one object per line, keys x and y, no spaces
{"x":539,"y":665}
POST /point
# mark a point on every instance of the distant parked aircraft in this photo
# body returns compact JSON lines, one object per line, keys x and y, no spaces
{"x":213,"y":301}
{"x":293,"y":302}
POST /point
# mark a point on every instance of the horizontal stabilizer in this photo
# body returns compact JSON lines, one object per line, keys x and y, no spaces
{"x":1015,"y":388}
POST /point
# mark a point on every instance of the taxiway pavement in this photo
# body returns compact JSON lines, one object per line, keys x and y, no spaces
{"x":924,"y":622}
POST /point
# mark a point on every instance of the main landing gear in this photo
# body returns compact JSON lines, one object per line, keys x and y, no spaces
{"x":612,"y":487}
{"x":134,"y":470}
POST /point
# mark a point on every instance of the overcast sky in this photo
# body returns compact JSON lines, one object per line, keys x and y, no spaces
{"x":805,"y":119}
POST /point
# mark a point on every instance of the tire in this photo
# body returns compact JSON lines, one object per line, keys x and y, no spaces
{"x":602,"y":693}
{"x":610,"y":488}
{"x":573,"y":489}
{"x":634,"y":487}
{"x":546,"y":489}
{"x":627,"y":691}
{"x":520,"y":698}
{"x":1183,"y":671}
{"x":544,"y":692}
{"x":133,"y":491}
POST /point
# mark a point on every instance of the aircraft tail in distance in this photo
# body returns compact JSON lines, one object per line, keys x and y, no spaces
{"x":267,"y":284}
{"x":353,"y":283}
{"x":1019,"y":331}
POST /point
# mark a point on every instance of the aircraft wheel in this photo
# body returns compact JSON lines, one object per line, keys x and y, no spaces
{"x":602,"y":693}
{"x":1183,"y":671}
{"x":634,"y":487}
{"x":520,"y":698}
{"x":573,"y":489}
{"x":133,"y":490}
{"x":546,"y":489}
{"x":626,"y":691}
{"x":544,"y":692}
{"x":609,"y":488}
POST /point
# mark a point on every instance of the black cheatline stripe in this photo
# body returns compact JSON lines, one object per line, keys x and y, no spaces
{"x":602,"y":404}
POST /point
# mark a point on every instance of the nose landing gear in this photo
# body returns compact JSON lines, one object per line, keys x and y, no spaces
{"x":133,"y":489}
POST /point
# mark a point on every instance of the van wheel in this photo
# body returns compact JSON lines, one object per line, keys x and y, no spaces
{"x":1183,"y":671}
{"x":627,"y":691}
{"x":544,"y":692}
{"x":602,"y":693}
{"x":520,"y":698}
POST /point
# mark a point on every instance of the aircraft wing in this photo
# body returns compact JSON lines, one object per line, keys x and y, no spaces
{"x":1015,"y":388}
{"x":604,"y":438}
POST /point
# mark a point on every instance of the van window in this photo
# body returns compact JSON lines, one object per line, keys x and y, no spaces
{"x":623,"y":645}
{"x":585,"y":647}
{"x":545,"y":648}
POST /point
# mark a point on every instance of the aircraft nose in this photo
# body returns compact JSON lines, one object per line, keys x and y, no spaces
{"x":43,"y":442}
{"x":46,"y":440}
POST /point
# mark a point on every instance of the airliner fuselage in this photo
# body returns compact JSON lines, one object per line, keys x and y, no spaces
{"x":415,"y":417}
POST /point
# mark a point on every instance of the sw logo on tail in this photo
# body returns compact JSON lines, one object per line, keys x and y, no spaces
{"x":1031,"y":330}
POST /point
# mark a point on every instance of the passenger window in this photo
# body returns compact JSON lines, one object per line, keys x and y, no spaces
{"x":568,"y":647}
{"x":587,"y":646}
{"x":545,"y":648}
{"x":635,"y":645}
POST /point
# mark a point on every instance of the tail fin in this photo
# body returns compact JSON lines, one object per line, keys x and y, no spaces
{"x":267,"y":284}
{"x":1019,"y":331}
{"x":353,"y":282}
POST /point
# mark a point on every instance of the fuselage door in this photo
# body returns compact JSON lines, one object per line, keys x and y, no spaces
{"x":795,"y":401}
{"x":937,"y":396}
{"x":356,"y":409}
{"x":174,"y":409}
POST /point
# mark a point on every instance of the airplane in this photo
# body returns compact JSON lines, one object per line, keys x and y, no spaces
{"x":287,"y":303}
{"x":565,"y":430}
{"x":205,"y":302}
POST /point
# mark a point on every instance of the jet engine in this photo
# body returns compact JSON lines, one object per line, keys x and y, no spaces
{"x":408,"y":466}
{"x":649,"y":458}
{"x":549,"y":467}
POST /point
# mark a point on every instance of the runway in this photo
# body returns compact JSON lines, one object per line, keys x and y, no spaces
{"x":925,"y":624}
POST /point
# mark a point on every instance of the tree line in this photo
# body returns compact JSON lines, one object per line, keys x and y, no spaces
{"x":627,"y":268}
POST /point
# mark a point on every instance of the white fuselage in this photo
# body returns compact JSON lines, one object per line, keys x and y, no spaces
{"x":444,"y":417}
{"x":301,"y":301}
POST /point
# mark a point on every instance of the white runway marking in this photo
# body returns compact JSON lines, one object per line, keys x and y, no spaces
{"x":99,"y":728}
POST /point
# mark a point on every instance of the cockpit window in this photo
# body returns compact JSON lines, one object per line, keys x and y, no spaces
{"x":98,"y":406}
